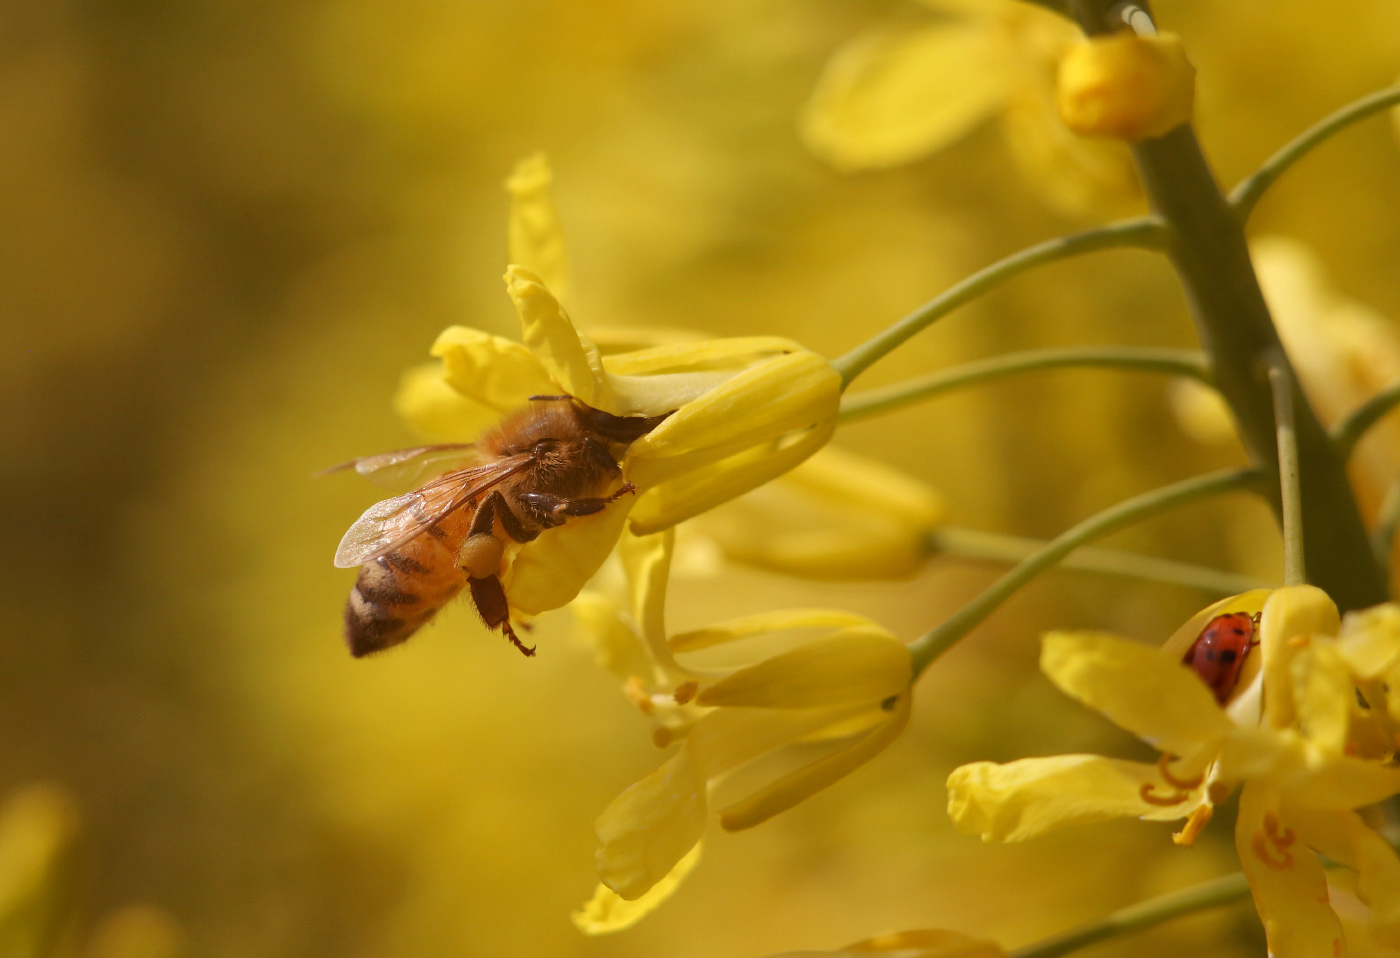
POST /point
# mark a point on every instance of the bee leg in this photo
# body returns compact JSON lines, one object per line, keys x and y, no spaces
{"x":554,"y":510}
{"x":491,"y":604}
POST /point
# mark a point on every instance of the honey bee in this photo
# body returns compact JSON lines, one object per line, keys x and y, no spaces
{"x":541,"y":466}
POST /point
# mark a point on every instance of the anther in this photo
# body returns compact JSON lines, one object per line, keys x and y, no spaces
{"x":1163,"y":765}
{"x":685,"y":692}
{"x":635,"y":690}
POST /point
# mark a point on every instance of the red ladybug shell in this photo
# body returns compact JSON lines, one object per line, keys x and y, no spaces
{"x":1218,"y":653}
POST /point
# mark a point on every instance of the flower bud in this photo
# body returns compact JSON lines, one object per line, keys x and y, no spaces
{"x":1126,"y":86}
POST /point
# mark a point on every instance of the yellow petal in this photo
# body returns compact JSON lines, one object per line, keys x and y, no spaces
{"x":1289,"y":886}
{"x":1032,"y":796}
{"x":615,"y":646}
{"x":1369,"y":640}
{"x":1126,"y":86}
{"x":647,"y":560}
{"x":725,"y":739}
{"x":1323,"y":695}
{"x":1309,"y":776}
{"x":535,"y":239}
{"x":892,"y":97}
{"x":1345,"y":838}
{"x":763,"y":622}
{"x":651,"y":826}
{"x":860,"y":663}
{"x":435,"y":410}
{"x":687,"y":496}
{"x":1290,"y":613}
{"x":495,"y":372}
{"x":571,"y":359}
{"x":796,"y":786}
{"x":607,"y":912}
{"x":1137,"y":687}
{"x":548,"y":572}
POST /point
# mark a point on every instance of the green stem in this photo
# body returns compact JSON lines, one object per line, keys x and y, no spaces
{"x":1244,"y":196}
{"x":997,"y":547}
{"x":1146,"y":232}
{"x":1281,"y":384}
{"x":1225,"y":890}
{"x":1347,"y":432}
{"x":929,"y":647}
{"x":1387,"y":519}
{"x":1170,"y":362}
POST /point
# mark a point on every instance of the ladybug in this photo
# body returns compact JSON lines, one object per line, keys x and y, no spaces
{"x":1219,"y":651}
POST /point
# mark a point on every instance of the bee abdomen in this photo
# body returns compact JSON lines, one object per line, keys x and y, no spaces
{"x":382,"y":611}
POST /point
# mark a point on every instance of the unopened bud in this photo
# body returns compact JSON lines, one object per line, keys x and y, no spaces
{"x":1126,"y":86}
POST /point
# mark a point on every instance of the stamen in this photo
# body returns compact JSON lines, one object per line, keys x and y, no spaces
{"x":1147,"y":794}
{"x":1195,"y":824}
{"x":686,"y":691}
{"x":1271,"y":826}
{"x":1261,"y":851}
{"x":1164,"y":761}
{"x":661,"y":736}
{"x":635,"y":690}
{"x":1217,"y":792}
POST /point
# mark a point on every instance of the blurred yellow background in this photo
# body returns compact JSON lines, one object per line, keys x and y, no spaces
{"x":225,"y":229}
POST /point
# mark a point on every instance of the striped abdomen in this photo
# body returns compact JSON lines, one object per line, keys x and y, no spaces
{"x":400,"y":592}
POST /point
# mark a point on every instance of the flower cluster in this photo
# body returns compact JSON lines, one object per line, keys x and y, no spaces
{"x":1309,"y":737}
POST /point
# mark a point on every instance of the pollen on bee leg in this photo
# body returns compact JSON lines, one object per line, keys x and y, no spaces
{"x":1195,"y":824}
{"x":481,"y":555}
{"x":685,"y":692}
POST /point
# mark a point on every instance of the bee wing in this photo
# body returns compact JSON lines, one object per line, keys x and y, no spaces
{"x":407,"y":468}
{"x":387,"y":525}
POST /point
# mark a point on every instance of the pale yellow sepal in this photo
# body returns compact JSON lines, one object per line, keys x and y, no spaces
{"x":437,"y":411}
{"x":761,"y":623}
{"x":607,"y":912}
{"x":1289,"y":885}
{"x":550,"y":571}
{"x":889,"y":98}
{"x":1027,"y":798}
{"x":687,"y":496}
{"x":860,"y":663}
{"x":535,"y":239}
{"x":1137,"y":687}
{"x":651,"y":826}
{"x":837,"y":516}
{"x":495,"y":372}
{"x":1291,"y":615}
{"x":1126,"y":86}
{"x":570,"y":358}
{"x":1347,"y":840}
{"x":801,"y":784}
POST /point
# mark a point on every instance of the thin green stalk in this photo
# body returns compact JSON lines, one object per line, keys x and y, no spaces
{"x":1225,"y":890}
{"x":1281,"y":384}
{"x":1146,"y":233}
{"x":1169,"y":362}
{"x":1387,"y":519}
{"x":1349,"y":431}
{"x":1000,"y":548}
{"x":1244,"y":196}
{"x":929,"y":647}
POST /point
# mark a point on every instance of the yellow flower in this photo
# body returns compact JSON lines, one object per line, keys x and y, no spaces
{"x":742,"y":410}
{"x":930,"y":943}
{"x":844,"y":690}
{"x":1126,"y":86}
{"x":837,"y":516}
{"x":899,"y":94}
{"x":1289,"y":752}
{"x":1344,"y":353}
